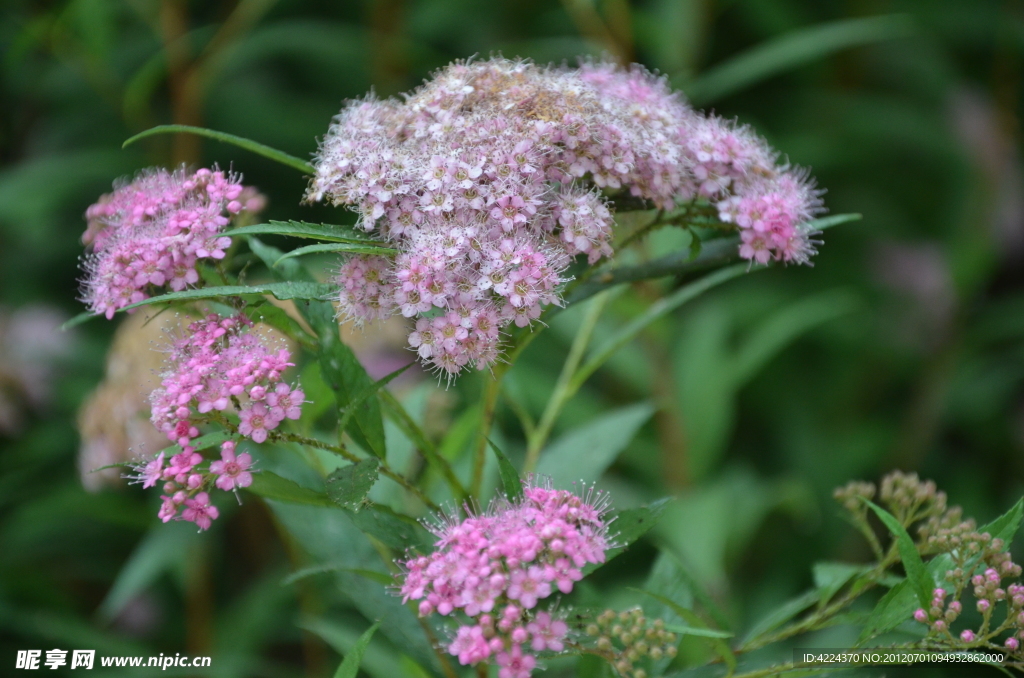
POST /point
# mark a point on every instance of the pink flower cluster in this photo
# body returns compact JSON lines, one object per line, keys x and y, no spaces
{"x":152,"y":231}
{"x":185,"y":484}
{"x":497,"y":566}
{"x":493,"y":174}
{"x":217,"y":363}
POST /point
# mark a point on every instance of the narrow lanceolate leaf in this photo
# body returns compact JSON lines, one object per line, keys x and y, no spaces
{"x":358,"y":399}
{"x":281,"y":290}
{"x":697,"y":631}
{"x":628,"y":526}
{"x":510,"y":481}
{"x":83,"y":317}
{"x":304,"y":229}
{"x":272,"y":486}
{"x":241,"y":142}
{"x":917,"y":574}
{"x":782,"y":614}
{"x":350,"y":664}
{"x":343,"y":248}
{"x":792,"y":50}
{"x":372,"y":575}
{"x":831,"y":220}
{"x":348,"y":486}
{"x":394,"y":530}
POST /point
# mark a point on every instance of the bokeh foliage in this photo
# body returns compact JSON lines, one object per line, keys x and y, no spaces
{"x":902,"y":348}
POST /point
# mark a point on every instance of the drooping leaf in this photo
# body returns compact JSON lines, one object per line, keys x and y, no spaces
{"x":303,"y":229}
{"x":281,"y":290}
{"x":83,"y":317}
{"x":792,"y":50}
{"x":241,"y":142}
{"x":348,"y":486}
{"x":917,"y":574}
{"x":583,"y":454}
{"x":628,"y":526}
{"x":272,"y":486}
{"x":350,"y":664}
{"x":510,"y":481}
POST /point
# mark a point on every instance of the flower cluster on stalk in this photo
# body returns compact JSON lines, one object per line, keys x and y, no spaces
{"x":491,"y":176}
{"x":496,"y":567}
{"x":152,"y":231}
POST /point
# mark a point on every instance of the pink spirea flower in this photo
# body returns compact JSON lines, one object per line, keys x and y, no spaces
{"x":492,"y":175}
{"x":152,"y":231}
{"x":232,"y":470}
{"x":198,"y":510}
{"x":218,"y":359}
{"x":495,"y":567}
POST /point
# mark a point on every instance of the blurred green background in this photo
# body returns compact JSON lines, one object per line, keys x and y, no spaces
{"x":903,"y":347}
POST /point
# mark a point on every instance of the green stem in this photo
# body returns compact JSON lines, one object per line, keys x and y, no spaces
{"x":492,"y":386}
{"x":563,"y":387}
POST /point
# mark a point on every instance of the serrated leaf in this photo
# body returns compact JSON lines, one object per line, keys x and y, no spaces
{"x":510,"y":481}
{"x":899,"y":602}
{"x":348,"y":486}
{"x":346,"y":248}
{"x":391,"y":529}
{"x":241,"y":142}
{"x":350,"y":664}
{"x":630,"y":525}
{"x":347,"y":377}
{"x":918,"y":575}
{"x":281,"y":290}
{"x":304,"y":229}
{"x":1005,"y":526}
{"x":272,"y":486}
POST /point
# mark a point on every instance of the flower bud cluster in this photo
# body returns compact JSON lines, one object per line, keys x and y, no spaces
{"x":186,"y":483}
{"x":489,"y":178}
{"x":497,"y":566}
{"x":910,"y":499}
{"x":152,"y":231}
{"x":851,"y":494}
{"x":628,"y":639}
{"x":218,"y":363}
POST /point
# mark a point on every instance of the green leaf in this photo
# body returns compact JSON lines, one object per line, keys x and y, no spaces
{"x":272,"y":486}
{"x":382,"y":660}
{"x":281,"y":290}
{"x":696,"y":631}
{"x":829,"y":578}
{"x":630,"y":524}
{"x":899,"y":602}
{"x":918,"y":575}
{"x":162,"y":549}
{"x":585,"y":453}
{"x":347,"y":378}
{"x":510,"y":481}
{"x":721,"y":647}
{"x":348,"y":486}
{"x":83,"y":317}
{"x":348,"y":248}
{"x":833,"y":220}
{"x":794,"y":49}
{"x":395,"y":531}
{"x":350,"y":664}
{"x":288,"y":270}
{"x":1005,"y":526}
{"x":372,"y":575}
{"x":781,"y":615}
{"x":303,"y":229}
{"x":357,"y":400}
{"x":241,"y":142}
